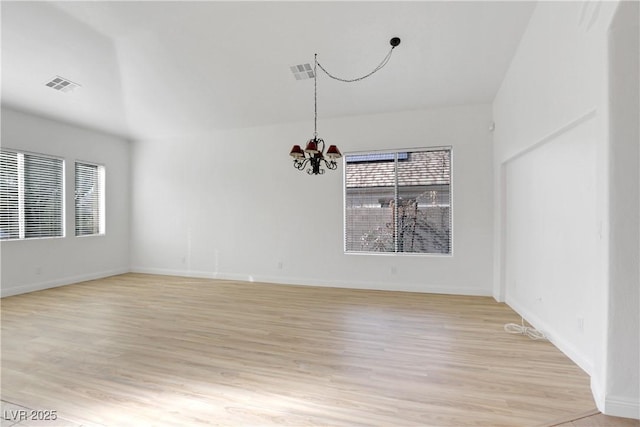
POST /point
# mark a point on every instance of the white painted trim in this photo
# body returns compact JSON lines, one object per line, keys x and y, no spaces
{"x":622,"y":407}
{"x":174,"y":272}
{"x":378,"y":286}
{"x":553,"y":135}
{"x":582,"y":360}
{"x":597,"y":390}
{"x":32,"y":287}
{"x":501,"y":293}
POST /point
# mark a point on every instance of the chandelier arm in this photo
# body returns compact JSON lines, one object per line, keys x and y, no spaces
{"x":378,"y":68}
{"x":300,"y":164}
{"x":320,"y":171}
{"x":330,"y":164}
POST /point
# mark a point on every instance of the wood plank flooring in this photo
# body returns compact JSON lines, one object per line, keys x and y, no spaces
{"x":155,"y":350}
{"x":595,"y":419}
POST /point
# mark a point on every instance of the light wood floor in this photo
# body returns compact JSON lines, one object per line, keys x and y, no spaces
{"x":594,"y":419}
{"x":152,"y":350}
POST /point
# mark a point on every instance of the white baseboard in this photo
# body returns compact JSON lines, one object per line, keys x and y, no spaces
{"x":32,"y":287}
{"x":405,"y":287}
{"x":622,"y":407}
{"x":556,"y":339}
{"x":598,"y":392}
{"x":171,"y":272}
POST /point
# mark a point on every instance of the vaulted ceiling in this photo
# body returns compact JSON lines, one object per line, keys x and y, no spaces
{"x":159,"y":69}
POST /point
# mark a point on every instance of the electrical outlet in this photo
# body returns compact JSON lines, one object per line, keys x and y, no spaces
{"x":280,"y":264}
{"x":38,"y":271}
{"x":394,"y":269}
{"x":580,"y":324}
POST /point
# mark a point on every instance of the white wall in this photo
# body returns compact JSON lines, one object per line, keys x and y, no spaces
{"x":551,"y":240}
{"x":34,"y":264}
{"x":623,"y":329}
{"x":231,"y":205}
{"x":552,"y":147}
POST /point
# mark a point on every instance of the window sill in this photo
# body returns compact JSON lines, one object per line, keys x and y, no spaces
{"x":91,"y":235}
{"x":400,"y":254}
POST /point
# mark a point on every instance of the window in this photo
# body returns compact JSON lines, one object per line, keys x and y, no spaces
{"x":31,"y":195}
{"x":398,"y":202}
{"x":89,"y":199}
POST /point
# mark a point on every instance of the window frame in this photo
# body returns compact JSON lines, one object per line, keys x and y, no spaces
{"x":22,"y":199}
{"x":393,"y":151}
{"x":102,"y":208}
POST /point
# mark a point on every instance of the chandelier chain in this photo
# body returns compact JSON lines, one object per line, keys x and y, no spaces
{"x":357,"y":79}
{"x":315,"y":96}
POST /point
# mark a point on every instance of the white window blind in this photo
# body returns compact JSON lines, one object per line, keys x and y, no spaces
{"x":32,"y":195}
{"x":89,"y":199}
{"x":398,"y":202}
{"x":9,"y":196}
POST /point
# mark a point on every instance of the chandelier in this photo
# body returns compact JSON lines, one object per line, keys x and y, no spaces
{"x":314,"y":156}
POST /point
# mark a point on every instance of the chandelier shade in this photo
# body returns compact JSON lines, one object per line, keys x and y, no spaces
{"x":312,"y":147}
{"x":296,"y":152}
{"x":333,"y":152}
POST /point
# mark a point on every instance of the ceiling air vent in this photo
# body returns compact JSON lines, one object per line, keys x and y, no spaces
{"x":302,"y":71}
{"x":61,"y":84}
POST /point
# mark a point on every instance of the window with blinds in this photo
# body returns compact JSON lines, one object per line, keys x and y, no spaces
{"x":89,"y":199}
{"x":9,"y":196}
{"x":398,"y":202}
{"x":31,"y":195}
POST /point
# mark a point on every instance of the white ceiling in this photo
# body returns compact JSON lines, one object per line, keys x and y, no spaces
{"x":156,"y":69}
